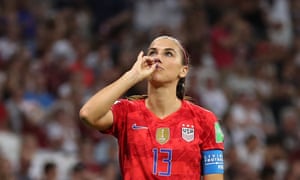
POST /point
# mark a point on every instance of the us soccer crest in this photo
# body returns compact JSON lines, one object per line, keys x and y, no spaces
{"x":187,"y":132}
{"x":162,"y":135}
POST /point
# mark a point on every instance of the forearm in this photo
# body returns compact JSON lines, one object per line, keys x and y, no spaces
{"x":96,"y":111}
{"x":99,"y":104}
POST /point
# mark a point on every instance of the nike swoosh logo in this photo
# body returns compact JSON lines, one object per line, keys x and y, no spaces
{"x":135,"y":127}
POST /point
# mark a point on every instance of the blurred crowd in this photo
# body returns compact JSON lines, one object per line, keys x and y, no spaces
{"x":54,"y":54}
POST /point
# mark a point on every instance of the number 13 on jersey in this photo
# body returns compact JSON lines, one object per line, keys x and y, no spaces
{"x":166,"y":161}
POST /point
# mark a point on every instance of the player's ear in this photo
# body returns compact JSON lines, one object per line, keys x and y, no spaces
{"x":183,"y":72}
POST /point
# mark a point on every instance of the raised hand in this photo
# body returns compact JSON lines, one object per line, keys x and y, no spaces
{"x":144,"y":66}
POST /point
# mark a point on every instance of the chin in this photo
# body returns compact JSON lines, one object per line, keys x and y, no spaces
{"x":156,"y":77}
{"x":156,"y":80}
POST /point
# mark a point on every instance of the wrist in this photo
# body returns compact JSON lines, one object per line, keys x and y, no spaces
{"x":132,"y":77}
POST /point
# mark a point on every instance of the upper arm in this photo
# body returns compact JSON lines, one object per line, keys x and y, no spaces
{"x":213,"y":137}
{"x":101,"y":124}
{"x":213,"y":177}
{"x":212,"y":148}
{"x":105,"y":122}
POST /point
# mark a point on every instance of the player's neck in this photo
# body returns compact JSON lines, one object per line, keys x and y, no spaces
{"x":162,"y":104}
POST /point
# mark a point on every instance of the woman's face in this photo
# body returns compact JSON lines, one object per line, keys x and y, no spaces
{"x":170,"y":60}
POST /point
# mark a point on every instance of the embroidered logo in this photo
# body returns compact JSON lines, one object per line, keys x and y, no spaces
{"x":117,"y":101}
{"x":162,"y":135}
{"x":187,"y":132}
{"x":219,"y":133}
{"x":136,"y":127}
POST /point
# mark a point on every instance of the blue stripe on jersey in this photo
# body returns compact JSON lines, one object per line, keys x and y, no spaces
{"x":212,"y":162}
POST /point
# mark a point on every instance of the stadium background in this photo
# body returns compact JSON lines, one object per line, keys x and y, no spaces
{"x":54,"y":54}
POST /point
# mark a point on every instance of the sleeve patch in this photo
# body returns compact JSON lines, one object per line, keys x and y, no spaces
{"x":219,"y":133}
{"x":212,"y":162}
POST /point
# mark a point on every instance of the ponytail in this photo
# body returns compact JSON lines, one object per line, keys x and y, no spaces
{"x":180,"y":88}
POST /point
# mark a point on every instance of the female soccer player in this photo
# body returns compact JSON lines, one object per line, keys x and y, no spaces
{"x":160,"y":136}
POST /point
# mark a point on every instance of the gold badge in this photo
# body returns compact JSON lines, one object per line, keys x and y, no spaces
{"x":162,"y":135}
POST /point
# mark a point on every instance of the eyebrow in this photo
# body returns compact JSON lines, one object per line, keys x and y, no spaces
{"x":166,"y":49}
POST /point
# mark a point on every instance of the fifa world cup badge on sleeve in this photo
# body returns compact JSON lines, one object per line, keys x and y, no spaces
{"x":219,"y":133}
{"x":187,"y":132}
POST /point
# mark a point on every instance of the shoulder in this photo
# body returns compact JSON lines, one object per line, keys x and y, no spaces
{"x":196,"y":108}
{"x":201,"y":113}
{"x":128,"y":103}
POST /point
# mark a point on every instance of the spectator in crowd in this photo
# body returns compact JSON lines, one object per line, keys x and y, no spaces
{"x":49,"y":171}
{"x":56,"y":54}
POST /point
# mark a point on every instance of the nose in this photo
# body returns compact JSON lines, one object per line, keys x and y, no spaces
{"x":157,"y":60}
